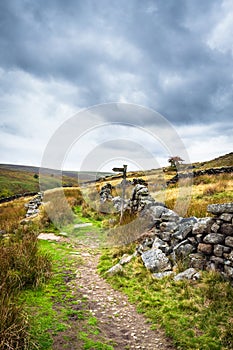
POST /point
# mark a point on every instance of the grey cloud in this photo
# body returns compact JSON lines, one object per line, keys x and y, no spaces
{"x":154,"y":53}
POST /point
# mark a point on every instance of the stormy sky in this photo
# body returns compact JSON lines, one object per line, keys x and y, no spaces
{"x":58,"y":58}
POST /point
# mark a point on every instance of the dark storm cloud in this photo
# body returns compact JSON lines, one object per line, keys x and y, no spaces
{"x":77,"y":41}
{"x":174,"y":56}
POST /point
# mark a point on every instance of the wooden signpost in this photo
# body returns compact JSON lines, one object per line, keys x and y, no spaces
{"x":124,"y":172}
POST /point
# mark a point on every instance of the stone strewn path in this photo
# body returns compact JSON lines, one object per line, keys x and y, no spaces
{"x":118,"y":319}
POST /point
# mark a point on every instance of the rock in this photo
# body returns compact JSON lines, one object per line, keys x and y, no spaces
{"x":160,"y":244}
{"x":160,"y":275}
{"x":49,"y":237}
{"x":126,"y":259}
{"x":141,"y":190}
{"x":228,"y":271}
{"x":115,"y":270}
{"x":205,"y":248}
{"x":217,"y":261}
{"x":170,"y":215}
{"x":156,"y":261}
{"x":186,"y":225}
{"x":106,"y":193}
{"x":227,"y":229}
{"x":229,"y":241}
{"x":199,"y":238}
{"x":165,"y":236}
{"x":157,"y":211}
{"x":201,"y":226}
{"x":226,"y":217}
{"x":220,"y":208}
{"x":215,"y":227}
{"x":230,"y":256}
{"x":218,"y":250}
{"x":190,"y":274}
{"x":184,"y":250}
{"x":192,"y":240}
{"x":198,"y":261}
{"x":214,"y":238}
{"x":168,"y":226}
{"x":117,"y":203}
{"x":85,"y":224}
{"x":65,"y":234}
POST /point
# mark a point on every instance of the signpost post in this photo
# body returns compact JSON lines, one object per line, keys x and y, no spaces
{"x":124,"y":172}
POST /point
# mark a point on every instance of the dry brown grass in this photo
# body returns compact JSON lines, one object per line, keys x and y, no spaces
{"x":206,"y":190}
{"x":11,"y":213}
{"x":58,"y":204}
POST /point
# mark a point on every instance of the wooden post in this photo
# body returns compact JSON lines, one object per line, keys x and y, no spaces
{"x":124,"y":174}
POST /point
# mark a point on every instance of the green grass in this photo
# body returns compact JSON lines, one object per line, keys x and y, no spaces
{"x":90,"y":344}
{"x":196,"y":315}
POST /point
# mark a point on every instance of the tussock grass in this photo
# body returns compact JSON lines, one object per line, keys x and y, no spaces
{"x":14,"y":327}
{"x":11,"y":213}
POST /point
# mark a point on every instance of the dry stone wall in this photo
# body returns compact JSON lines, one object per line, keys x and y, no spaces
{"x":211,"y":171}
{"x":204,"y":243}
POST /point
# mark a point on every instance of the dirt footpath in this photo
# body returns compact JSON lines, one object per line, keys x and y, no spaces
{"x":118,"y":319}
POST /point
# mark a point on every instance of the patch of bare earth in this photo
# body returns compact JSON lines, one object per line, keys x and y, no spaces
{"x":118,"y":321}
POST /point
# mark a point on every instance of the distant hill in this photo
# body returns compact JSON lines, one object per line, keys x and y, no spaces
{"x":15,"y":179}
{"x":226,"y":160}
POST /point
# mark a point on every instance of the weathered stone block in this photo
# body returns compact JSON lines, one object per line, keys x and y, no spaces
{"x":168,"y":226}
{"x":215,"y":227}
{"x":218,"y":250}
{"x":186,"y":225}
{"x":157,"y":211}
{"x":229,"y":241}
{"x":230,"y":256}
{"x":226,"y":217}
{"x":205,"y":248}
{"x":220,"y":208}
{"x":227,"y":229}
{"x":214,"y":238}
{"x":217,"y":260}
{"x":160,"y":244}
{"x":165,"y":236}
{"x":201,"y":226}
{"x":228,"y":271}
{"x":189,"y":274}
{"x":192,"y":240}
{"x":170,"y":215}
{"x":115,"y":270}
{"x":160,"y":275}
{"x":185,"y":250}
